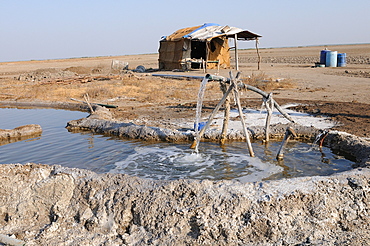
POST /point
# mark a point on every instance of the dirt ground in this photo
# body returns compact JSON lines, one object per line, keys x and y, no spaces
{"x":341,"y":93}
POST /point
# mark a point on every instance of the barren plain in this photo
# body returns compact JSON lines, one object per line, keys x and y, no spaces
{"x":289,"y":73}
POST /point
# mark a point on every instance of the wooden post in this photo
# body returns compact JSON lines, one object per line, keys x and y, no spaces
{"x":206,"y":59}
{"x":258,"y":54}
{"x":255,"y":89}
{"x":237,"y":99}
{"x":236,"y":52}
{"x":265,"y":95}
{"x":269,"y":104}
{"x":87,"y":99}
{"x":225,"y":124}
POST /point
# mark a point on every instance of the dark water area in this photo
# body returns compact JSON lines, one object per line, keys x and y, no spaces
{"x":163,"y":161}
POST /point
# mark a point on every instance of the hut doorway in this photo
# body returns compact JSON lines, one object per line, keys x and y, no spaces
{"x":198,"y":51}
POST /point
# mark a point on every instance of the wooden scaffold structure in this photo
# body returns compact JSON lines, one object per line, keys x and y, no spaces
{"x":232,"y":86}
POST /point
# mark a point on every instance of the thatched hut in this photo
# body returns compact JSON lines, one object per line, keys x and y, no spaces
{"x":198,"y":46}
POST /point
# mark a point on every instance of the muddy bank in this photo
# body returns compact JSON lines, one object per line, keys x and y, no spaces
{"x":102,"y":121}
{"x":98,"y":124}
{"x":353,"y":147}
{"x":19,"y":133}
{"x":41,"y":104}
{"x":54,"y":205}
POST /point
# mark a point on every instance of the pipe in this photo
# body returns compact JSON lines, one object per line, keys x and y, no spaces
{"x":288,"y":133}
{"x":178,"y":76}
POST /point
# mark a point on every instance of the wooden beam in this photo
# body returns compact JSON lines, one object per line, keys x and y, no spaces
{"x":241,"y":115}
{"x":236,"y":52}
{"x":225,"y":124}
{"x":269,"y":104}
{"x":258,"y":54}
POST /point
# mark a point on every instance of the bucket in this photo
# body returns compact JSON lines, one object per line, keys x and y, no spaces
{"x":342,"y":60}
{"x":331,"y":59}
{"x":323,"y":56}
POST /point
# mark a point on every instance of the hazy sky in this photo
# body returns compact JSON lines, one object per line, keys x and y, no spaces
{"x":48,"y":29}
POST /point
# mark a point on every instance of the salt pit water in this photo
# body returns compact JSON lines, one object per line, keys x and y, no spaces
{"x":158,"y":160}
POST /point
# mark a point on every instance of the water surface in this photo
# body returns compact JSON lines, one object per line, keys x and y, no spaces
{"x":166,"y":161}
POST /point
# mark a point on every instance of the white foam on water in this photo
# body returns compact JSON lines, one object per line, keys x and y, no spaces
{"x":190,"y":158}
{"x":262,"y":170}
{"x":302,"y":150}
{"x":173,"y":162}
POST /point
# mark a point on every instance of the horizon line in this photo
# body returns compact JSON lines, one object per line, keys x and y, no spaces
{"x":87,"y":57}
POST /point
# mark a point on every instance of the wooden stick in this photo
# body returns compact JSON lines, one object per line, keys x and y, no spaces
{"x":252,"y":88}
{"x":265,"y":95}
{"x":236,"y":52}
{"x":99,"y":104}
{"x":225,"y":124}
{"x":269,"y":107}
{"x":77,"y":100}
{"x":258,"y":54}
{"x":86,"y":97}
{"x":241,"y":115}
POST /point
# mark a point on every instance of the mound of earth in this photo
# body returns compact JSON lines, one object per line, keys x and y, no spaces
{"x":51,"y":205}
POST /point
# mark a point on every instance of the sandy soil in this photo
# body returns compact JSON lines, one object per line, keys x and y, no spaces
{"x":340,"y":93}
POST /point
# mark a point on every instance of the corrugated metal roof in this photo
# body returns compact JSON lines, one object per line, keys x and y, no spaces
{"x":209,"y":31}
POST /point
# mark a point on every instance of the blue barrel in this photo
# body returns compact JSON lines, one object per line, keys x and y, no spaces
{"x":323,"y":56}
{"x":342,"y":60}
{"x":331,"y":59}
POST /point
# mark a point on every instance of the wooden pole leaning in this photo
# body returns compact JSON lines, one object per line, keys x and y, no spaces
{"x":225,"y":124}
{"x":265,"y":95}
{"x":269,"y":104}
{"x":87,"y":99}
{"x":241,"y":115}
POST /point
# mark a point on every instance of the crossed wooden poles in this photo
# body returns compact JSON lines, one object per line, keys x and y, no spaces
{"x":233,"y":84}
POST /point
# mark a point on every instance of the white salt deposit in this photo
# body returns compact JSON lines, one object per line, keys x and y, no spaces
{"x":255,"y":117}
